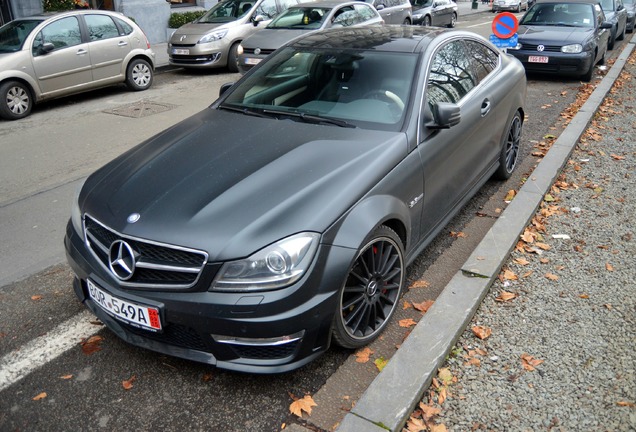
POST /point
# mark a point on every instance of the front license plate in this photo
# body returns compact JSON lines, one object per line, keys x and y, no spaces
{"x":137,"y":315}
{"x":252,"y":61}
{"x":537,"y":59}
{"x":180,"y":51}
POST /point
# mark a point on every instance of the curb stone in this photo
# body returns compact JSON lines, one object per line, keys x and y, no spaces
{"x":395,"y":392}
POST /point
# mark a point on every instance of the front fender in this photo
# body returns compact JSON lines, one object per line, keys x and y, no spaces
{"x":17,"y":75}
{"x":354,"y":227}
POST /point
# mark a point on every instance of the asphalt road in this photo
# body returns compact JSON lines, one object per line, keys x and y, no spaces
{"x":43,"y":157}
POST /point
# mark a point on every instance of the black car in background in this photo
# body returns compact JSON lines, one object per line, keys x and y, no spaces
{"x":563,"y":37}
{"x":285,"y":214}
{"x":616,"y":14}
{"x":630,"y":6}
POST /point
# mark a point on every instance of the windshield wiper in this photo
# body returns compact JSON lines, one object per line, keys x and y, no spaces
{"x":244,"y":110}
{"x":311,"y":118}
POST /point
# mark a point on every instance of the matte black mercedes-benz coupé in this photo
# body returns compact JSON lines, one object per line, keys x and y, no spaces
{"x":251,"y":234}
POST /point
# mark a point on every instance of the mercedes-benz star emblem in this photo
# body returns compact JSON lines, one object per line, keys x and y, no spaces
{"x":540,"y":48}
{"x":121,"y":259}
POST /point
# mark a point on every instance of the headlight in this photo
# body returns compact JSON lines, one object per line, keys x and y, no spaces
{"x":516,"y":47}
{"x":214,"y":36}
{"x":76,"y":213}
{"x":417,"y":16}
{"x":276,"y":266}
{"x":239,"y":49}
{"x":572,"y":49}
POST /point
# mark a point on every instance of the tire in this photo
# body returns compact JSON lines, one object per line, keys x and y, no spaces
{"x":622,"y":35}
{"x":601,"y":61}
{"x":453,"y":20}
{"x":406,"y":22}
{"x":371,"y":291}
{"x":427,"y":21}
{"x":17,"y":100}
{"x":612,"y":41}
{"x":232,"y":58}
{"x":139,"y":75}
{"x":587,"y":76}
{"x":509,"y":155}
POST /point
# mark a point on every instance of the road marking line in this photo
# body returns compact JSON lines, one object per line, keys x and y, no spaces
{"x":24,"y":360}
{"x":480,"y":24}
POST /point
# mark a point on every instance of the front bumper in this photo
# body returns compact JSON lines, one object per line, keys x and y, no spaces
{"x":631,"y":20}
{"x":210,"y":55}
{"x":262,"y":332}
{"x":558,"y":63}
{"x":504,"y":7}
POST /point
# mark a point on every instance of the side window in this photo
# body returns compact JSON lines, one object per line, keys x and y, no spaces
{"x":125,"y":27}
{"x":101,"y":27}
{"x":600,"y":16}
{"x":346,"y":17}
{"x":450,"y":78}
{"x":62,"y":34}
{"x":267,"y":8}
{"x":365,"y":12}
{"x":482,"y":58}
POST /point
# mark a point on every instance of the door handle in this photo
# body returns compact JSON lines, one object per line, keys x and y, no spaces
{"x":485,"y":107}
{"x":81,"y":51}
{"x":122,"y":43}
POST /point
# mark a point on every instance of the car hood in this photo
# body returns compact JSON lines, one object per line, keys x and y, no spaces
{"x":272,"y":38}
{"x":554,"y":35}
{"x":194,"y":31}
{"x":231,"y":184}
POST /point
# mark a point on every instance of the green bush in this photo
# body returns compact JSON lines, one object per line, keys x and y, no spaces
{"x":177,"y":19}
{"x":57,"y":5}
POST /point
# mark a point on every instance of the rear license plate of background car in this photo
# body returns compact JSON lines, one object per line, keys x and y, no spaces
{"x":180,"y":51}
{"x":131,"y":313}
{"x":537,"y":59}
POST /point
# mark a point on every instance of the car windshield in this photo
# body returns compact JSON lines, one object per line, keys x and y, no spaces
{"x":628,"y":2}
{"x":607,"y":5}
{"x":14,"y":33}
{"x":226,"y":11}
{"x":301,"y":18}
{"x":560,"y":14}
{"x":367,"y":89}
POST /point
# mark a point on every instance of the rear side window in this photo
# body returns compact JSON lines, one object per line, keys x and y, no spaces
{"x":483,"y":60}
{"x":125,"y":27}
{"x":101,"y":27}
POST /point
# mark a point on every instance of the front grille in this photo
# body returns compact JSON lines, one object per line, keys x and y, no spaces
{"x":156,"y":265}
{"x":195,"y":60}
{"x":547,"y":48}
{"x":265,"y":352}
{"x":263,"y":51}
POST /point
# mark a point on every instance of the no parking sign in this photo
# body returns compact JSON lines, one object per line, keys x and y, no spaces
{"x":504,"y":27}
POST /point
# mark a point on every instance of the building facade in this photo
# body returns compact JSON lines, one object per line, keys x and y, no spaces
{"x":151,"y":15}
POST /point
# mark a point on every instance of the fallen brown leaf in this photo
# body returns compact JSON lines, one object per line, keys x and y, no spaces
{"x":36,"y":297}
{"x":551,"y":276}
{"x":406,"y":323}
{"x":424,"y":306}
{"x":305,"y":404}
{"x":128,"y":384}
{"x":91,"y":345}
{"x":481,"y":332}
{"x":529,"y":363}
{"x":40,"y":396}
{"x":625,"y":404}
{"x":66,"y":377}
{"x":505,"y":296}
{"x":362,"y":355}
{"x":609,"y":267}
{"x":420,"y":284}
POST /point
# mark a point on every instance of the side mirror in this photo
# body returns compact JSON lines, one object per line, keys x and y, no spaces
{"x":46,"y":48}
{"x":258,"y":19}
{"x":225,"y":87}
{"x":379,"y":7}
{"x":606,"y":25}
{"x":444,"y":116}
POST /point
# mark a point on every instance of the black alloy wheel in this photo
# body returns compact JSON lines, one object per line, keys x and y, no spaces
{"x":453,"y":20}
{"x":427,"y":21}
{"x":510,"y":149}
{"x":371,"y":291}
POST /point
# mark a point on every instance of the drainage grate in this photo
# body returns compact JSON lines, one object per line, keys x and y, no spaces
{"x":141,"y":109}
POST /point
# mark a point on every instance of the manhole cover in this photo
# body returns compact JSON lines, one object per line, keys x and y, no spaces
{"x":140,"y":109}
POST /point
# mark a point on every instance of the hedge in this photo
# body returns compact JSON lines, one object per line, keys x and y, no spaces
{"x":177,"y":19}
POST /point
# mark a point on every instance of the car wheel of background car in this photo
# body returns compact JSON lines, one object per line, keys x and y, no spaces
{"x":232,"y":58}
{"x":427,"y":21}
{"x":17,"y":101}
{"x":371,"y":292}
{"x":510,"y":149}
{"x":453,"y":20}
{"x":622,"y":35}
{"x":611,"y":42}
{"x":139,"y":75}
{"x":407,"y":21}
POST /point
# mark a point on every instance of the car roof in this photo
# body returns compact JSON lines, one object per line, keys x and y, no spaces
{"x":324,"y":3}
{"x":381,"y":38}
{"x":570,"y":1}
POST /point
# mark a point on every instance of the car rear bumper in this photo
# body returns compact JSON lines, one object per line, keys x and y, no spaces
{"x":262,"y":332}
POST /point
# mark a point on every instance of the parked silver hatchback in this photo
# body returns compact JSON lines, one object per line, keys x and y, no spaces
{"x":212,"y":41}
{"x":52,"y":55}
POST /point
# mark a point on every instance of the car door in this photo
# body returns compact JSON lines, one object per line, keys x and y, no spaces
{"x":456,"y":159}
{"x":440,"y":14}
{"x":107,"y":47}
{"x":68,"y":65}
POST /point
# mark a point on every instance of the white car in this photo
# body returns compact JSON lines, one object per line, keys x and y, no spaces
{"x":509,"y":5}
